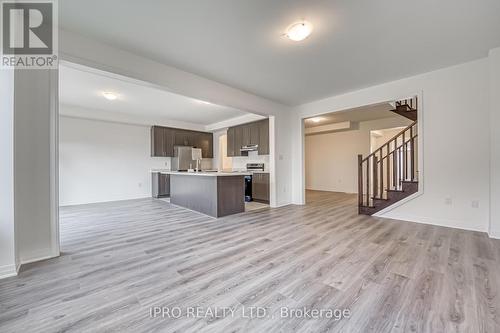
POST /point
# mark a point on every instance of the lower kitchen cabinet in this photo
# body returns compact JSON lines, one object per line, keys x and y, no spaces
{"x":160,"y":185}
{"x":260,"y":187}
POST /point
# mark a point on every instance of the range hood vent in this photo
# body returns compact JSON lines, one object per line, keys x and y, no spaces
{"x":250,"y":148}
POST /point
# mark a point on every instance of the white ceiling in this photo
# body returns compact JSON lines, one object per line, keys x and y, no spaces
{"x":365,"y":113}
{"x":84,"y":88}
{"x":354,"y":44}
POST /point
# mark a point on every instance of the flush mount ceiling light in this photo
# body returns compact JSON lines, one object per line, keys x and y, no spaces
{"x":316,"y":119}
{"x":203,"y":102}
{"x":299,"y":31}
{"x":110,"y":95}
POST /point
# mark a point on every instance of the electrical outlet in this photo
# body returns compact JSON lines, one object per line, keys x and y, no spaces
{"x":475,"y":203}
{"x":448,"y":201}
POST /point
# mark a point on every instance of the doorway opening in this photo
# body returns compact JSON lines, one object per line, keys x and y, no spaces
{"x":346,"y":154}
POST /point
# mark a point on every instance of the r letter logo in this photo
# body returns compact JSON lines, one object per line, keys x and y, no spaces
{"x":29,"y":34}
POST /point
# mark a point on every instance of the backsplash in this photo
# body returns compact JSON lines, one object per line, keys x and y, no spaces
{"x":166,"y":163}
{"x":240,"y":162}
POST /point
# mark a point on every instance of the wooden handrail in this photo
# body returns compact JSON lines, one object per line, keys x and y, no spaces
{"x":388,"y":167}
{"x":397,"y":147}
{"x":393,"y":138}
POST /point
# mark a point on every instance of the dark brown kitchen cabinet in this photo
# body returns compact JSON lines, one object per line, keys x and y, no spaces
{"x":256,"y":133}
{"x":160,"y":185}
{"x":238,"y":140}
{"x":260,"y":187}
{"x":205,"y":141}
{"x":230,"y":142}
{"x":181,"y":138}
{"x":168,"y":141}
{"x":163,"y":140}
{"x":158,"y":142}
{"x":245,"y":135}
{"x":263,"y":137}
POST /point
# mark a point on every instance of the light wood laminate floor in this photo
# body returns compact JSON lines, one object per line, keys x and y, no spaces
{"x":121,"y":258}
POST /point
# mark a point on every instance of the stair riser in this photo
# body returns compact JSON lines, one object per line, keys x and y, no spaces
{"x":408,"y":188}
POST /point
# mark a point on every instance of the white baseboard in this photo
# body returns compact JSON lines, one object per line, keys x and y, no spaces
{"x":66,"y":204}
{"x":494,"y":234}
{"x":431,"y":221}
{"x":38,"y":256}
{"x":281,"y":204}
{"x":8,"y":271}
{"x":12,"y":270}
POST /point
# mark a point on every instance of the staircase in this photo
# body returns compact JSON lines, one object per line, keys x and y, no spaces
{"x":390,"y":173}
{"x":407,"y":108}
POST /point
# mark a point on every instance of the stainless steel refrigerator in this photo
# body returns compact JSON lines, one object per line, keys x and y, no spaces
{"x":183,"y":159}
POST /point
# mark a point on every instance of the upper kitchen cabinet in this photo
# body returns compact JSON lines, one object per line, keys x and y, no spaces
{"x":230,"y":142}
{"x":263,"y":137}
{"x":205,"y":142}
{"x":245,"y":135}
{"x":256,"y":133}
{"x":168,"y":141}
{"x":181,"y":138}
{"x":238,"y":140}
{"x":163,"y":140}
{"x":158,"y":147}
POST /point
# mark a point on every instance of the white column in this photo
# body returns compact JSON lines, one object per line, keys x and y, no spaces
{"x":494,"y":59}
{"x":35,"y":164}
{"x":8,"y":262}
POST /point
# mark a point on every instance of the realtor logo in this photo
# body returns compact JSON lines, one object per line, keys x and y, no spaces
{"x":29,"y":34}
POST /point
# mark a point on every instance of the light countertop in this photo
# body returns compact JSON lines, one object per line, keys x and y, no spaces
{"x":205,"y":173}
{"x":158,"y":170}
{"x":252,"y":171}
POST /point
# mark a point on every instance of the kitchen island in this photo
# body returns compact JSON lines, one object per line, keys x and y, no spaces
{"x":215,"y":194}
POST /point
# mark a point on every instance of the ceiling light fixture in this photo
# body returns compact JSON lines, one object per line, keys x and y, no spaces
{"x":316,"y":119}
{"x":204,"y":102}
{"x":299,"y":31}
{"x":109,"y":95}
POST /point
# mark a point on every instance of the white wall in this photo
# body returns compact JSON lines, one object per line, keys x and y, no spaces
{"x":216,"y":161}
{"x":381,"y":137}
{"x":494,"y":71}
{"x":455,"y":142}
{"x":7,"y":225}
{"x":104,"y":161}
{"x":331,"y":159}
